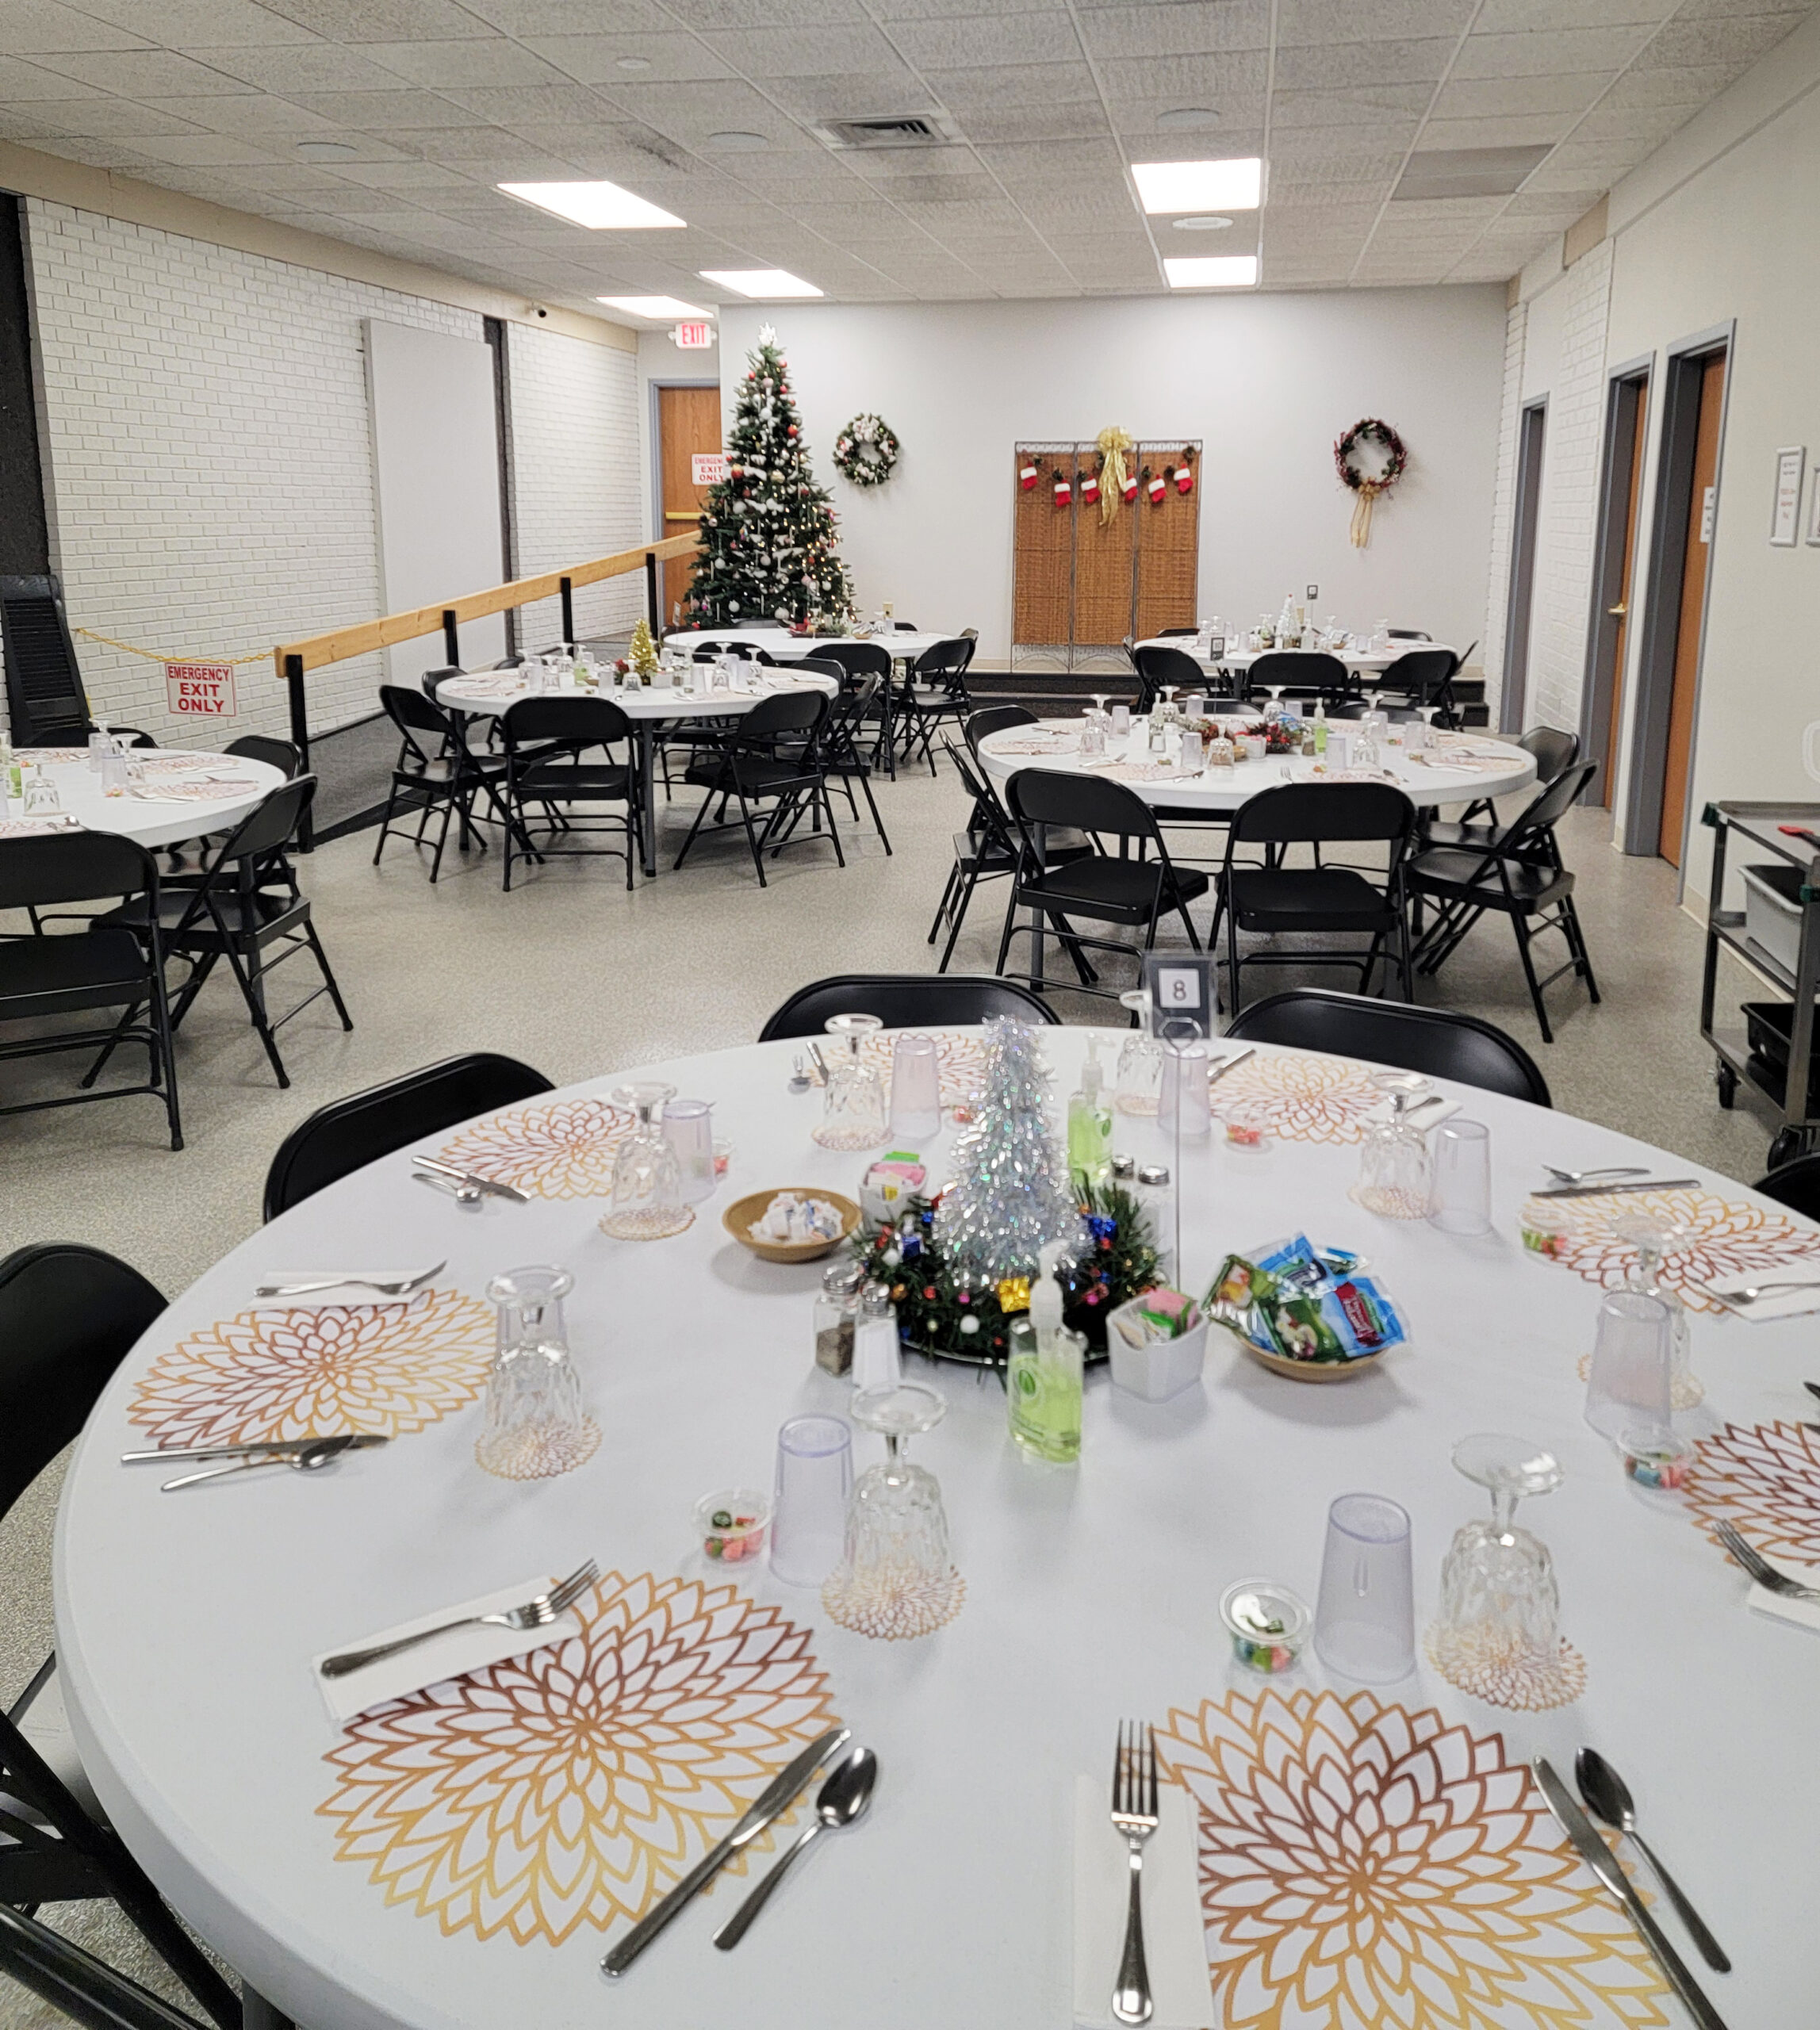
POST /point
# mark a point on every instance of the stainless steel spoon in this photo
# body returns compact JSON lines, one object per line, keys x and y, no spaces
{"x":1612,"y":1170}
{"x":305,"y":1462}
{"x":841,"y":1799}
{"x":1607,"y":1797}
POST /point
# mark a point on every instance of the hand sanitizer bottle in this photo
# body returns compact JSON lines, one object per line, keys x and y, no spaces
{"x":1321,"y":730}
{"x":1043,"y":1381}
{"x":1089,"y":1125}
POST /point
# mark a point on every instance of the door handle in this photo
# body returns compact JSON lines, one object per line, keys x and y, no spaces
{"x":1617,"y":612}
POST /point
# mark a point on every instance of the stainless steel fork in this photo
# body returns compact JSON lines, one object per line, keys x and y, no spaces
{"x":1760,"y":1569}
{"x":1134,"y":1813}
{"x":537,"y":1613}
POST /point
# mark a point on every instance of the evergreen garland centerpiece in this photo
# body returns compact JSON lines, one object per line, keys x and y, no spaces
{"x":769,"y":549}
{"x":960,"y":1265}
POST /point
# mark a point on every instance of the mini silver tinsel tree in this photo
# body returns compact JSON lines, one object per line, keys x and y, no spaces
{"x":1011,"y":1194}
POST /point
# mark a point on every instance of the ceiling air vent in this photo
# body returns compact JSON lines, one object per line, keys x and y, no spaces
{"x":909,"y":130}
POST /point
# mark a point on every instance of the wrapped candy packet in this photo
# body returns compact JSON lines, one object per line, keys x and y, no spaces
{"x":1333,"y":1314}
{"x":1159,"y":1314}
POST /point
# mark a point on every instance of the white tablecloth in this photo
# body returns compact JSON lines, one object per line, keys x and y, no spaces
{"x":147,"y":818}
{"x":785,"y":647}
{"x":484,"y":694}
{"x":1235,"y":657}
{"x":1426,"y":782}
{"x":185,"y":1622}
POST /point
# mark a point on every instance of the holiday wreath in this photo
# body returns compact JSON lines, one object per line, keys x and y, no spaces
{"x":1368,"y":482}
{"x":938,"y":1314}
{"x":866,"y":451}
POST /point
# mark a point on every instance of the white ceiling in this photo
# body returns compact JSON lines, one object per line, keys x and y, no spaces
{"x":442,"y":99}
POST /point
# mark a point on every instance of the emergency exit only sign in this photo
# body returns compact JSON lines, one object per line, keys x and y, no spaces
{"x":201,"y":690}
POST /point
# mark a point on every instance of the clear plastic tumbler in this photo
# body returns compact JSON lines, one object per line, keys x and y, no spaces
{"x":916,"y":1090}
{"x":1632,"y":1359}
{"x":1365,"y":1619}
{"x":814,"y":1477}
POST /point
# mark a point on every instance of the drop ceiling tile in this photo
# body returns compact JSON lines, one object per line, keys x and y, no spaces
{"x":1466,"y":98}
{"x":142,"y":74}
{"x":1045,"y":36}
{"x":397,"y":111}
{"x":1355,"y":105}
{"x":1690,"y":88}
{"x":545,"y":105}
{"x":1186,"y":28}
{"x":718,"y":14}
{"x":991,"y":86}
{"x":16,"y":124}
{"x":1363,"y":63}
{"x":504,"y":156}
{"x":187,"y":25}
{"x":1443,"y":213}
{"x":1240,"y":132}
{"x":1560,"y":52}
{"x":382,"y":20}
{"x":1338,"y":217}
{"x":100,"y":154}
{"x":30,"y":27}
{"x":1515,"y":131}
{"x":1071,"y":119}
{"x":201,"y":150}
{"x":1537,"y":17}
{"x":845,"y":95}
{"x":1321,"y":23}
{"x":1313,"y":193}
{"x":1172,"y":80}
{"x":594,"y":60}
{"x":1644,"y":125}
{"x":314,"y":66}
{"x":796,"y":52}
{"x":1550,"y":212}
{"x":1040,"y":162}
{"x":1734,"y":40}
{"x":536,"y":17}
{"x":122,"y":118}
{"x":1705,"y":10}
{"x":1323,"y":154}
{"x":710,"y":105}
{"x":471,"y":61}
{"x":1586,"y":173}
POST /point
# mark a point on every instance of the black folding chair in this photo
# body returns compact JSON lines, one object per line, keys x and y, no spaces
{"x":1520,"y":875}
{"x":1555,"y":752}
{"x":245,"y":905}
{"x":1305,"y":672}
{"x":1424,"y":676}
{"x":1274,"y":898}
{"x":838,"y":750}
{"x":347,"y":1134}
{"x":934,"y":690}
{"x":106,"y":966}
{"x":1794,"y":1184}
{"x":771,"y":756}
{"x":1438,"y":1041}
{"x":1134,"y":887}
{"x":903,"y":1001}
{"x":990,"y":719}
{"x":283,"y":755}
{"x":1158,"y":667}
{"x":68,"y":1316}
{"x":545,"y":741}
{"x":863,"y":659}
{"x":435,"y":770}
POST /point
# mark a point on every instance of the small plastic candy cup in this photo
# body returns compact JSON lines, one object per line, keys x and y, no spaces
{"x":733,"y":1524}
{"x":1656,"y":1458}
{"x":1248,"y":1129}
{"x":1267,"y":1622}
{"x":1542,"y":1230}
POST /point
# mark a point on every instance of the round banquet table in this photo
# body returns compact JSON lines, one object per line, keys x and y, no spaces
{"x":1359,"y":662}
{"x":905,"y":644}
{"x":141,"y":814}
{"x":649,"y":707}
{"x":185,"y":1623}
{"x":1489,"y":767}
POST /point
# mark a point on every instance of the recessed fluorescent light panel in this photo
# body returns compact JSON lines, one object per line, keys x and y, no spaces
{"x":653,"y":306}
{"x":1234,"y":186}
{"x":1215,"y":271}
{"x":600,"y":207}
{"x":760,"y":282}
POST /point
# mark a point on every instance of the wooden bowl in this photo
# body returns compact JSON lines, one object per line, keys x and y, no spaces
{"x":1313,"y":1370}
{"x":739,"y":1217}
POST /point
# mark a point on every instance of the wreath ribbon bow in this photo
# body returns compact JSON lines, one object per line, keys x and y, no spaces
{"x":1113,"y":444}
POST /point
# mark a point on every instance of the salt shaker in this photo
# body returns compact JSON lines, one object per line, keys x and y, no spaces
{"x":1156,"y":1199}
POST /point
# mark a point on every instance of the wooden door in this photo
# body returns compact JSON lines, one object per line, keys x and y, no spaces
{"x":689,"y":422}
{"x":1701,"y":517}
{"x":1621,"y":612}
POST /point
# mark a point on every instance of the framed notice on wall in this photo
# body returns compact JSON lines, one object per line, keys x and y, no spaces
{"x":1791,"y":465}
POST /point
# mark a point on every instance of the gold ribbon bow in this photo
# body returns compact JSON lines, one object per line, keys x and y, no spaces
{"x":1113,"y":444}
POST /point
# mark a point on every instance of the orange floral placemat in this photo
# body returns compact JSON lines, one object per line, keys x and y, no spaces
{"x":564,"y":1149}
{"x":575,"y":1784}
{"x":1764,"y":1480}
{"x":385,"y":1368}
{"x":960,"y":1061}
{"x":1725,"y":1236}
{"x":1363,"y":1865}
{"x":1308,"y":1099}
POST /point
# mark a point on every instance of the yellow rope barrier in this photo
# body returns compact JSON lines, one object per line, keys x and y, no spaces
{"x":159,"y":656}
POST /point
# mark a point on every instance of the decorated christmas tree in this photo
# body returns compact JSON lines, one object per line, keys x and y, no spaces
{"x":767,"y":544}
{"x":1011,"y":1193}
{"x":642,"y":652}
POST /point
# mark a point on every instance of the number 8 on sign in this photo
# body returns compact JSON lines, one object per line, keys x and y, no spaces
{"x":1180,"y":993}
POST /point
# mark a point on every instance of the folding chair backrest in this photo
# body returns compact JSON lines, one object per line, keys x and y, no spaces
{"x":820,"y":665}
{"x":1047,"y":796}
{"x":904,"y":1000}
{"x":1407,"y":634}
{"x":1423,"y":673}
{"x":73,"y":866}
{"x":942,"y":662}
{"x":282,"y":755}
{"x":348,"y":1133}
{"x":1554,"y":751}
{"x":993,"y":718}
{"x":987,"y":815}
{"x":1551,"y":804}
{"x":1299,"y":669}
{"x":46,"y":704}
{"x":69,"y":1316}
{"x":585,"y":722}
{"x":857,"y":658}
{"x":271,"y":827}
{"x":1325,"y":813}
{"x":427,"y":730}
{"x":787,"y":712}
{"x":1158,"y":666}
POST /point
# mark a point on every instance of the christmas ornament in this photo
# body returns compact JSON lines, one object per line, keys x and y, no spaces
{"x":866,"y":451}
{"x":1185,"y":474}
{"x":1118,"y":483}
{"x":1372,"y":475}
{"x":1089,"y":489}
{"x":1127,"y":493}
{"x":1064,"y":490}
{"x":1027,"y":476}
{"x":1156,"y":486}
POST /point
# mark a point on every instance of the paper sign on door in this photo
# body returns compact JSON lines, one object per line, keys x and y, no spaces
{"x":706,"y":468}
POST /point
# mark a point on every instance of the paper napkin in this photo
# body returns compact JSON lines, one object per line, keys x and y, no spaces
{"x":337,"y":1293}
{"x":1804,"y":1613}
{"x":450,"y":1656}
{"x":1779,"y":1304}
{"x":1174,"y":1943}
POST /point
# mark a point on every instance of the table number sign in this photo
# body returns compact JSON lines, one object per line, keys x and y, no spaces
{"x":1181,"y":994}
{"x":201,"y":690}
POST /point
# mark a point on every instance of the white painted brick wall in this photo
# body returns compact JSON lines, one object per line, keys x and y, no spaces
{"x":1566,"y":533}
{"x":576,"y":461}
{"x":1504,"y":507}
{"x":210,"y":459}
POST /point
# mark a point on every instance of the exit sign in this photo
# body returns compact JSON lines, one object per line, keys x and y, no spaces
{"x":706,"y":468}
{"x":694,"y":337}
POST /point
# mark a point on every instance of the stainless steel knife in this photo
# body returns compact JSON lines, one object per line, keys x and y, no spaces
{"x":357,"y":1441}
{"x":1218,"y":1069}
{"x":776,"y":1798}
{"x":1603,"y":1864}
{"x":1608,"y":1190}
{"x":487,"y":1184}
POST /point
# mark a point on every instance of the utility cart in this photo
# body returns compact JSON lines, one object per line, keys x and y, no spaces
{"x":1777,"y":935}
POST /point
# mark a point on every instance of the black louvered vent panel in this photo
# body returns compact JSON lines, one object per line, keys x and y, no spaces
{"x":44,"y":688}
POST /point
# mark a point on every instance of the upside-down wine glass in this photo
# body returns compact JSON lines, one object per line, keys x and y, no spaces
{"x":534,"y":1427}
{"x":1500,"y":1606}
{"x":896,"y":1549}
{"x":1396,"y":1175}
{"x":854,"y":1114}
{"x":648,"y":1202}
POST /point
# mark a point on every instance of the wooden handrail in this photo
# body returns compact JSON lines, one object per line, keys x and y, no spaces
{"x":362,"y":639}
